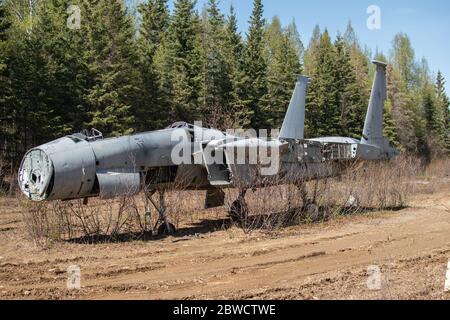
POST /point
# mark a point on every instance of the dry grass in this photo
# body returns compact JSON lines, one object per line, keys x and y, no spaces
{"x":363,"y":188}
{"x":7,"y":179}
{"x":373,"y":185}
{"x":122,"y":219}
{"x":58,"y":221}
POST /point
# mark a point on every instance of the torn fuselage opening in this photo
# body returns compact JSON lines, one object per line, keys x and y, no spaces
{"x":36,"y":175}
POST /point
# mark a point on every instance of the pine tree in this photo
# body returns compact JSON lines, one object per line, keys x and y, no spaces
{"x":255,"y":68}
{"x":283,"y":70}
{"x":217,"y":85}
{"x":110,"y":58}
{"x":179,"y":63}
{"x":360,"y":62}
{"x":323,"y":114}
{"x":154,"y":23}
{"x":61,"y":51}
{"x":4,"y":85}
{"x":430,"y":110}
{"x":350,"y":101}
{"x":444,"y":104}
{"x":5,"y":23}
{"x":389,"y":125}
{"x":403,"y":117}
{"x":5,"y":95}
{"x":404,"y":59}
{"x":14,"y":84}
{"x":151,"y":105}
{"x":311,"y":53}
{"x":408,"y":75}
{"x":349,"y":36}
{"x":294,"y":37}
{"x":47,"y":77}
{"x":55,"y":80}
{"x":234,"y":49}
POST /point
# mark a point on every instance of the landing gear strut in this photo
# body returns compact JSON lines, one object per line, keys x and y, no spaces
{"x":239,"y":209}
{"x":310,"y":205}
{"x":163,"y":226}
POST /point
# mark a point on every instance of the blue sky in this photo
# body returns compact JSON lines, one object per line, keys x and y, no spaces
{"x":426,"y":22}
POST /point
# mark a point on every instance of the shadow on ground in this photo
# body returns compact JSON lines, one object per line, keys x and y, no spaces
{"x":269,"y":222}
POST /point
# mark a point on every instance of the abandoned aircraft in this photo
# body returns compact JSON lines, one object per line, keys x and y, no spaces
{"x":190,"y":157}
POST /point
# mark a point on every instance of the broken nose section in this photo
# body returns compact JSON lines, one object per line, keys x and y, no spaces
{"x":36,"y":175}
{"x":60,"y":170}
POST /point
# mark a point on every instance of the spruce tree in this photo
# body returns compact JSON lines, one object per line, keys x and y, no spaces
{"x":155,"y":20}
{"x":409,"y":78}
{"x":180,"y":63}
{"x":433,"y":123}
{"x":110,"y":59}
{"x":403,"y":116}
{"x":255,"y":68}
{"x":150,"y":108}
{"x":361,"y":65}
{"x":389,"y":125}
{"x":404,"y":59}
{"x":4,"y":85}
{"x":6,"y":125}
{"x":217,"y":85}
{"x":434,"y":116}
{"x":234,"y":49}
{"x":61,"y":51}
{"x":323,"y":114}
{"x":294,"y":36}
{"x":349,"y":36}
{"x":47,"y":77}
{"x":311,"y":53}
{"x":351,"y":105}
{"x":5,"y":22}
{"x":430,"y":111}
{"x":283,"y":70}
{"x":444,"y":104}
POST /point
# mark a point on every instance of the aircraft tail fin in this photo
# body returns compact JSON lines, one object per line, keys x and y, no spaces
{"x":294,"y":122}
{"x":373,"y":127}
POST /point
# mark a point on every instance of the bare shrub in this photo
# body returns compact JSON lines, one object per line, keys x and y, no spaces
{"x":123,"y":218}
{"x":3,"y":184}
{"x":184,"y":206}
{"x":438,"y":168}
{"x":371,"y":186}
{"x":42,"y":224}
{"x":108,"y":220}
{"x":8,"y":181}
{"x":433,"y":176}
{"x":276,"y":205}
{"x":363,"y":187}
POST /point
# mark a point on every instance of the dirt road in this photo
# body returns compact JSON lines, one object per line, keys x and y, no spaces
{"x":320,"y":261}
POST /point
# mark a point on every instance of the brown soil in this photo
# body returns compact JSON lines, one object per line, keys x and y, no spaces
{"x":318,"y":261}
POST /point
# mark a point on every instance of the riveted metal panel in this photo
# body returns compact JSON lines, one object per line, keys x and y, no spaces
{"x":74,"y":168}
{"x":113,"y":184}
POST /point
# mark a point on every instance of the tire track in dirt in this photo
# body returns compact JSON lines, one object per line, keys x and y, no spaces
{"x":328,"y":260}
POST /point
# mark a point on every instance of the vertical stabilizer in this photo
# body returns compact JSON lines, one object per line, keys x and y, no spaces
{"x":373,"y":127}
{"x":294,"y":122}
